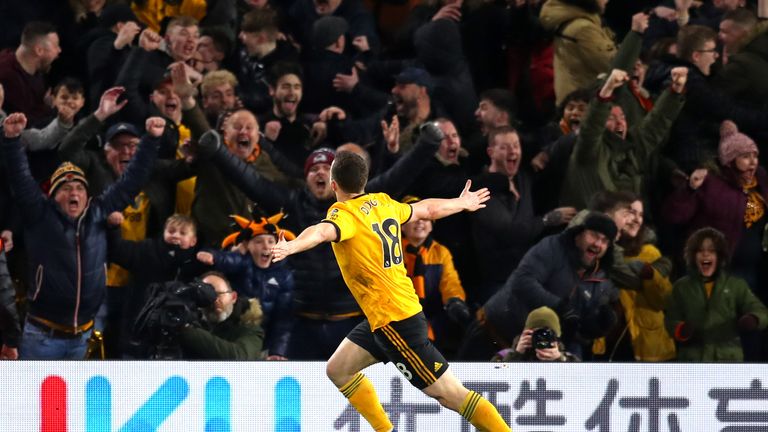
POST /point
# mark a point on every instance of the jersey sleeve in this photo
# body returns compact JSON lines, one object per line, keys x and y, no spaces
{"x":403,"y":211}
{"x":342,"y":220}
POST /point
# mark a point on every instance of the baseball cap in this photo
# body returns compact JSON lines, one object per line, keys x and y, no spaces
{"x":121,"y":128}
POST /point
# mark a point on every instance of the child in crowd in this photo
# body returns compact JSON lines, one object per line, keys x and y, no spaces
{"x":709,"y":306}
{"x":157,"y":260}
{"x":252,"y":274}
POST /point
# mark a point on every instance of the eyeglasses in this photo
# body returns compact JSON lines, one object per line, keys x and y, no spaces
{"x":713,"y":50}
{"x":221,"y":293}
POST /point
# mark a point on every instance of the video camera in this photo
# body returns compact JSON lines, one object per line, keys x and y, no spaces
{"x":170,"y":306}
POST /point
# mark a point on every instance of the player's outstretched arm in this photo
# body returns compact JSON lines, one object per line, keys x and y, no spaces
{"x":309,"y":238}
{"x":435,"y":208}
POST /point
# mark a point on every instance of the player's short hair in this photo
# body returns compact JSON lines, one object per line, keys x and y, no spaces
{"x":349,"y":171}
{"x":181,"y":220}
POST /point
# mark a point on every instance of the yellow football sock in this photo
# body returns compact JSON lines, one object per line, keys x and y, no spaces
{"x":362,"y":396}
{"x":484,"y":416}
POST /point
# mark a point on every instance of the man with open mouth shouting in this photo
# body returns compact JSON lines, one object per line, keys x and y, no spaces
{"x":71,"y":224}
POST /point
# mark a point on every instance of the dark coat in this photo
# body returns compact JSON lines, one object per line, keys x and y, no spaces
{"x":504,"y":231}
{"x":743,"y":77}
{"x":67,"y":257}
{"x":548,"y":276}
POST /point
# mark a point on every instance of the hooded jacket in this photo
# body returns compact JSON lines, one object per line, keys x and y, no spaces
{"x":583,"y":47}
{"x":548,"y":276}
{"x":601,"y":160}
{"x":67,"y":257}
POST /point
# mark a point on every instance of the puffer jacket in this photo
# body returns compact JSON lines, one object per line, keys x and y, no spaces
{"x":714,"y":319}
{"x":584,"y":48}
{"x":67,"y":257}
{"x":273,"y":286}
{"x":548,"y":276}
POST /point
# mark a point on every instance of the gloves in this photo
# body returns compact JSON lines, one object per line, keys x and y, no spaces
{"x":431,"y":132}
{"x":748,"y":322}
{"x":642,"y":269}
{"x":458,"y":310}
{"x":684,"y":331}
{"x":208,"y":144}
{"x":569,"y":318}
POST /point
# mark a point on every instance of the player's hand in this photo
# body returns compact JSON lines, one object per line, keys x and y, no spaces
{"x":474,"y":200}
{"x":281,"y":250}
{"x":205,"y":258}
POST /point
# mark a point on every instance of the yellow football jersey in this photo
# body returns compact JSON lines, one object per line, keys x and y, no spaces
{"x":370,"y":254}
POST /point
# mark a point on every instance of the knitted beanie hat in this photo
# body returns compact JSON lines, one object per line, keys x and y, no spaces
{"x":66,"y":172}
{"x":323,"y":155}
{"x":543,"y":317}
{"x":733,"y":143}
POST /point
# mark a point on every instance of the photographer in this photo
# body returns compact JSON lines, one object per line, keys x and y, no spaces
{"x":540,"y":341}
{"x":229,"y":329}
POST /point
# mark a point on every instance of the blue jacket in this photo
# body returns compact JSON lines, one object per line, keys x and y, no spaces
{"x":273,"y":287}
{"x":67,"y":257}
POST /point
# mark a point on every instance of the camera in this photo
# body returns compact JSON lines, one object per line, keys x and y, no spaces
{"x":543,"y":338}
{"x":170,"y":306}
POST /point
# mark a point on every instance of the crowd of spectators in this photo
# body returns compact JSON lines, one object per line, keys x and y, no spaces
{"x":149,"y":146}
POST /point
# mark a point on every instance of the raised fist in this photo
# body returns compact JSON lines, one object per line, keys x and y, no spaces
{"x":14,"y":124}
{"x":679,"y":78}
{"x":155,"y":126}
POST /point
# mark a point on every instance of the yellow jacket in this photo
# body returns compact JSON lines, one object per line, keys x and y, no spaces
{"x":644,"y":312}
